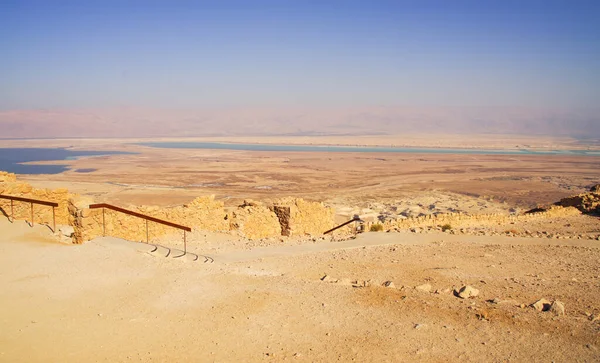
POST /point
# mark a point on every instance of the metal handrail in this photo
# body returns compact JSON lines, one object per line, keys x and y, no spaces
{"x":32,"y":201}
{"x":355,"y":219}
{"x":143,"y":216}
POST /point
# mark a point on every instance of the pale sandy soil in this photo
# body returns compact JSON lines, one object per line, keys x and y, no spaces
{"x":112,"y":301}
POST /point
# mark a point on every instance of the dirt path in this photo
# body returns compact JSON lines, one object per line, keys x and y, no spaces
{"x":384,"y":239}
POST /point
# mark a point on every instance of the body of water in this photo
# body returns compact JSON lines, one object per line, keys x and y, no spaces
{"x":11,"y":159}
{"x":311,"y":148}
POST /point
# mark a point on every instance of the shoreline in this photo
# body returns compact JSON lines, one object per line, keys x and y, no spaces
{"x":429,"y":141}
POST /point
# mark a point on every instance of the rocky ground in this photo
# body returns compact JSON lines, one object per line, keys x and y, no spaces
{"x":382,"y":297}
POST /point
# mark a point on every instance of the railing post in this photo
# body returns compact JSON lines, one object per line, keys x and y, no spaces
{"x":103,"y":224}
{"x":146,"y":230}
{"x":12,"y":212}
{"x":32,"y":214}
{"x":184,"y":243}
{"x":53,"y":220}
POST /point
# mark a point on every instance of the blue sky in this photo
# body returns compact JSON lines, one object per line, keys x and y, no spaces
{"x":187,"y":54}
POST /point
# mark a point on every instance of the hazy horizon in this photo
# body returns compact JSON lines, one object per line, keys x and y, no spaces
{"x":72,"y":69}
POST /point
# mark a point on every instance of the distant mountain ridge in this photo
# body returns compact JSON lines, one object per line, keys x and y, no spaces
{"x":137,"y":122}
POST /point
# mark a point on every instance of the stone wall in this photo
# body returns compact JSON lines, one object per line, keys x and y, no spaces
{"x":22,"y":210}
{"x":6,"y":177}
{"x":203,"y":213}
{"x":299,"y":217}
{"x":586,"y":202}
{"x":253,"y":220}
{"x":457,"y":220}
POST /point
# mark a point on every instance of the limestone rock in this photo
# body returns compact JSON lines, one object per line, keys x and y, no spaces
{"x":585,"y":202}
{"x":6,"y":177}
{"x":558,"y":308}
{"x":466,"y":292}
{"x":328,"y":278}
{"x":423,"y":288}
{"x":67,"y":231}
{"x":389,"y":284}
{"x":541,"y":305}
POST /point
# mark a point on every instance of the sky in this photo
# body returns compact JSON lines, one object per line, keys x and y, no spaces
{"x":286,"y":53}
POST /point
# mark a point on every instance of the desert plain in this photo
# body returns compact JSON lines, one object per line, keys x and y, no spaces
{"x":392,"y":295}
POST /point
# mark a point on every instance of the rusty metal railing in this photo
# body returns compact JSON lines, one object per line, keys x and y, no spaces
{"x":32,"y":202}
{"x":355,"y":219}
{"x":147,"y":218}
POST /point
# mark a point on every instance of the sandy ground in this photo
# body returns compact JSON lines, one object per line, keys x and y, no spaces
{"x":112,"y":300}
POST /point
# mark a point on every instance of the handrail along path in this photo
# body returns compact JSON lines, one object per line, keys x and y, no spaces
{"x":13,"y":198}
{"x":146,"y":218}
{"x":355,"y":219}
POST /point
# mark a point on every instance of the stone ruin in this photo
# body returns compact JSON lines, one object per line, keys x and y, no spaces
{"x":588,"y":203}
{"x":298,"y":217}
{"x":9,"y":185}
{"x":252,"y":220}
{"x":255,"y":221}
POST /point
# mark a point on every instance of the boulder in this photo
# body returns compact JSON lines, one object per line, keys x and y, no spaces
{"x":423,"y":288}
{"x":558,"y":308}
{"x":328,"y":278}
{"x":541,"y":305}
{"x":389,"y":284}
{"x":467,"y":292}
{"x":66,"y":231}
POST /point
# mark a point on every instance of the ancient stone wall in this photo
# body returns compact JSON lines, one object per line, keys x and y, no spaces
{"x":22,"y":210}
{"x":255,"y":221}
{"x":203,"y":213}
{"x":299,"y":217}
{"x":251,"y":220}
{"x":457,"y":220}
{"x":6,"y":177}
{"x":586,"y":202}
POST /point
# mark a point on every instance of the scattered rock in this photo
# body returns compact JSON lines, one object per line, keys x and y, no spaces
{"x":328,"y":278}
{"x":541,"y":305}
{"x":389,"y":284}
{"x":466,"y":292}
{"x":558,"y":308}
{"x":66,"y":231}
{"x":423,"y":288}
{"x":357,"y":283}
